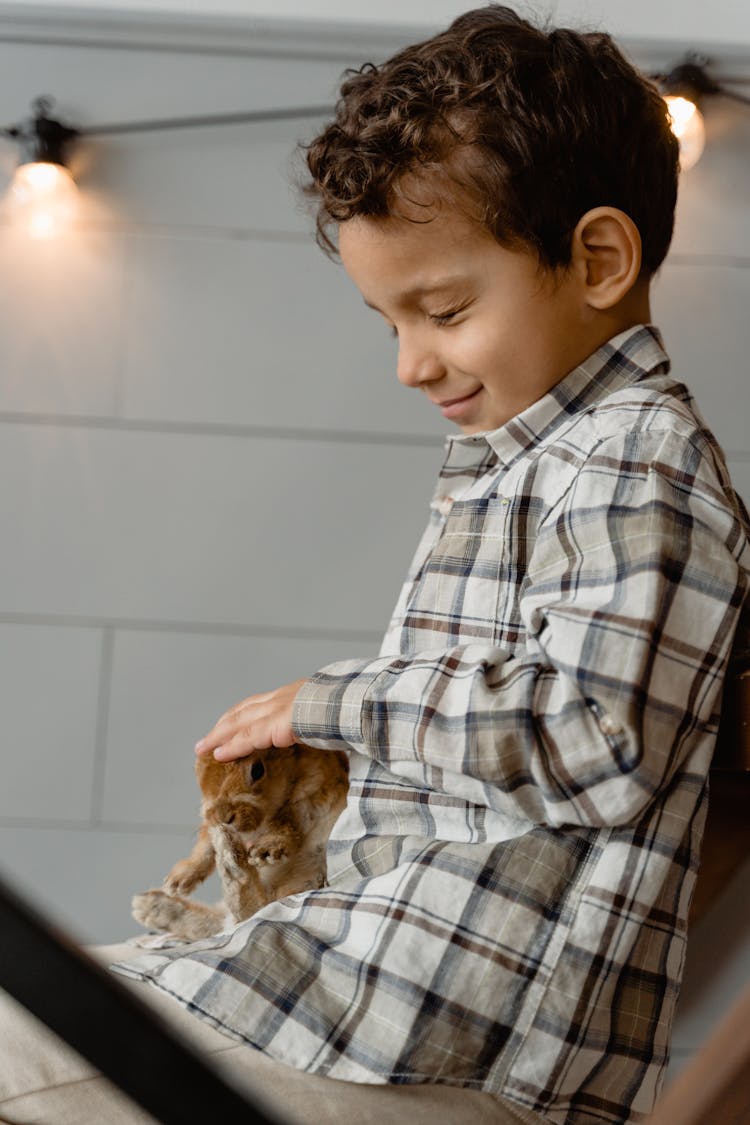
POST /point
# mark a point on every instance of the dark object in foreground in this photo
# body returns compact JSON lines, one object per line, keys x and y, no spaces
{"x":97,"y":1016}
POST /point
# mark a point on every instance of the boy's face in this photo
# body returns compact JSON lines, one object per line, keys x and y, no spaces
{"x":482,"y":330}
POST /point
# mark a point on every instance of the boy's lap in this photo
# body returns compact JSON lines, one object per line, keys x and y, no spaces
{"x":43,"y":1081}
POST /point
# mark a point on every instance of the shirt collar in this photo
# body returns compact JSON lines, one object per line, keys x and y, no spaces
{"x":623,"y":360}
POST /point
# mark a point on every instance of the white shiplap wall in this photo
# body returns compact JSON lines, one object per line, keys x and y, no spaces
{"x":723,"y":22}
{"x":207,"y":458}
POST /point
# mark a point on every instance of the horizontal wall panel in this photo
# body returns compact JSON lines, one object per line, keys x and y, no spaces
{"x":713,"y":206}
{"x":703,"y":313}
{"x":213,"y":30}
{"x":85,"y":878}
{"x":280,"y":337}
{"x":61,"y":324}
{"x":181,"y":527}
{"x":241,"y":178}
{"x":49,"y":692}
{"x":168,"y":691}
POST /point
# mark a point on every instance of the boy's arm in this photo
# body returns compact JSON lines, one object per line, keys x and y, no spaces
{"x":631,"y":601}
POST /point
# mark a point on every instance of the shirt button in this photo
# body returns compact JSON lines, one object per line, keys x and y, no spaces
{"x":444,"y":505}
{"x":608,"y":725}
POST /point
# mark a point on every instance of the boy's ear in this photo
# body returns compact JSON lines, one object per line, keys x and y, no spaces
{"x":606,"y":249}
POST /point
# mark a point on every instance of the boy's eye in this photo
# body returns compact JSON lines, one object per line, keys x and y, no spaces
{"x":436,"y":318}
{"x":444,"y":318}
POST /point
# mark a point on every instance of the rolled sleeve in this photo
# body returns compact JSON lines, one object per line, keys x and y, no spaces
{"x":328,"y":709}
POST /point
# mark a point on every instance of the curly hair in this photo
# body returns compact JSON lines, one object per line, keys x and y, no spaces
{"x":524,"y":129}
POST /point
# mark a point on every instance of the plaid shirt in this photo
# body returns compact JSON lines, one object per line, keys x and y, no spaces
{"x":510,"y":883}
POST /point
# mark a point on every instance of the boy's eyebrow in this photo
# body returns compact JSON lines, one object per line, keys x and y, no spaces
{"x":428,"y":287}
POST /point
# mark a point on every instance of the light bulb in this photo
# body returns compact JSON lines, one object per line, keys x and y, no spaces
{"x":43,"y":199}
{"x":688,"y":127}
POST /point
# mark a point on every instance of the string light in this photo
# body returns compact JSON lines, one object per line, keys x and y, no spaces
{"x":689,"y":128}
{"x":43,"y":198}
{"x":684,"y":88}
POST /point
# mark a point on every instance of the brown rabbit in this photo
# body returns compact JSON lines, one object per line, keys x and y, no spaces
{"x":266,"y":820}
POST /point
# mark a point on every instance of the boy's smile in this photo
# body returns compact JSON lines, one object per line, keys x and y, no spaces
{"x":483,"y":331}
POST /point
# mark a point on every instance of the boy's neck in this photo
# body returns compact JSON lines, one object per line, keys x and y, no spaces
{"x":634,"y":309}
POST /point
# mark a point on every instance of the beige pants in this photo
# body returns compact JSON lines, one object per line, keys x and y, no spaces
{"x":44,"y":1082}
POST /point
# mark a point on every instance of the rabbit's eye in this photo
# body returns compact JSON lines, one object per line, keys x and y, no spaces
{"x":257,"y":770}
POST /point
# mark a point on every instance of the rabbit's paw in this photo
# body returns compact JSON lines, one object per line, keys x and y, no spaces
{"x":183,"y":878}
{"x":157,"y":910}
{"x":270,"y":852}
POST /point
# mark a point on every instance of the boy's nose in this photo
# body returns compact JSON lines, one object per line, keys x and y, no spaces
{"x":417,"y":365}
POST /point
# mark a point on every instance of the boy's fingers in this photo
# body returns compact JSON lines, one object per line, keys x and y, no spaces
{"x":238,"y":708}
{"x":219,"y":736}
{"x":231,"y":753}
{"x":270,"y":711}
{"x":241,"y":745}
{"x":230,"y":717}
{"x":227,"y":726}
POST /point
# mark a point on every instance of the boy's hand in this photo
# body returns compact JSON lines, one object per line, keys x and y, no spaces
{"x":258,"y":722}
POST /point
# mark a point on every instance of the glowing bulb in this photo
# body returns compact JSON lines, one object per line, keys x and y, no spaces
{"x":688,"y":127}
{"x":43,"y":199}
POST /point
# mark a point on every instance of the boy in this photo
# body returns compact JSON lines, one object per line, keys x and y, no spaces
{"x":510,"y":883}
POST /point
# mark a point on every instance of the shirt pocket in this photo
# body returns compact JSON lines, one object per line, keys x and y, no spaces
{"x":454,"y":594}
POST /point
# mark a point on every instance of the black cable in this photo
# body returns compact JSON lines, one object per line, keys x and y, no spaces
{"x":734,"y":96}
{"x":217,"y":119}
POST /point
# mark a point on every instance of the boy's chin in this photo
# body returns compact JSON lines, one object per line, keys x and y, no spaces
{"x":482,"y":422}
